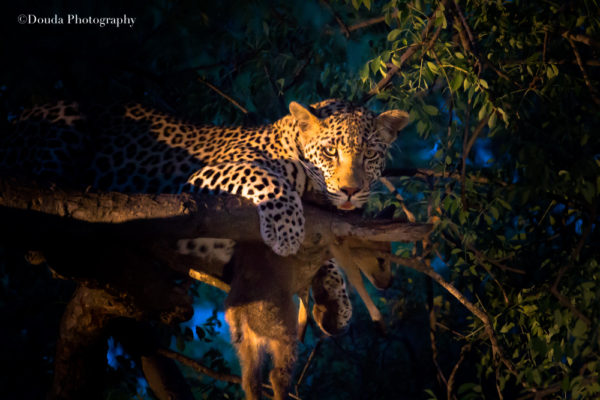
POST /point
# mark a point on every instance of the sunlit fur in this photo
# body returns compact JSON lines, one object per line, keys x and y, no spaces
{"x":359,"y":157}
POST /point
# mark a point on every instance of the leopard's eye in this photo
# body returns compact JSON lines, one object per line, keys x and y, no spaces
{"x":370,"y":154}
{"x":330,"y":151}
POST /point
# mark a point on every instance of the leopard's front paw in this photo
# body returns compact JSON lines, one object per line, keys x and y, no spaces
{"x":281,"y":228}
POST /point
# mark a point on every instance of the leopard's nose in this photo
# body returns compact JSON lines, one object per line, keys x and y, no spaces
{"x":349,"y":190}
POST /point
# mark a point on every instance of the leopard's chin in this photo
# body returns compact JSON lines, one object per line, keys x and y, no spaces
{"x":347,"y":206}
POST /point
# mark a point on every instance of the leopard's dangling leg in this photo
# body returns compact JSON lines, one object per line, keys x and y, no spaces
{"x":332,"y":310}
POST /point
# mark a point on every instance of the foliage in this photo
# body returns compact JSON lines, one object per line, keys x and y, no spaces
{"x":503,"y":107}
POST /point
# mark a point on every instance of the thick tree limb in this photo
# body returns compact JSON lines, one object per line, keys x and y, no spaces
{"x":52,"y":211}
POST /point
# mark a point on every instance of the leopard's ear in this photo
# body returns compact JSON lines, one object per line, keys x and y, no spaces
{"x":389,"y":123}
{"x":308,"y":123}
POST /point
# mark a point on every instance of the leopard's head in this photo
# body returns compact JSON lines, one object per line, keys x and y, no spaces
{"x":344,"y":147}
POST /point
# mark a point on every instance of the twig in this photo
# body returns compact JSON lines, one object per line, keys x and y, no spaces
{"x":307,"y":364}
{"x":481,"y":256}
{"x":452,"y":331}
{"x":467,"y":150}
{"x":299,"y":71}
{"x":408,"y":53}
{"x":538,"y":394}
{"x":366,"y":23}
{"x":545,"y":46}
{"x":209,"y":372}
{"x":369,"y":22}
{"x":343,"y":26}
{"x":409,"y":215}
{"x":465,"y":26}
{"x":209,"y":279}
{"x":425,"y":174}
{"x":473,"y":48}
{"x":565,"y":301}
{"x":587,"y":229}
{"x":450,"y":386}
{"x":512,"y":63}
{"x":432,"y":326}
{"x":230,"y":99}
{"x":463,"y":170}
{"x":586,"y":78}
{"x":276,"y":91}
{"x":199,"y":367}
{"x":577,"y":37}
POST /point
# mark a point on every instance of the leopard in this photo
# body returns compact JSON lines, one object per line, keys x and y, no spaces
{"x":333,"y":147}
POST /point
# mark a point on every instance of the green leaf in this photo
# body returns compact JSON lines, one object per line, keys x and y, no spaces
{"x":579,"y":329}
{"x":457,"y":81}
{"x":466,"y":84}
{"x":507,"y":327}
{"x":364,"y":73}
{"x":396,"y":61}
{"x":394,"y":34}
{"x":367,"y":4}
{"x":483,"y":83}
{"x":495,"y":213}
{"x":432,"y":67}
{"x":503,"y":203}
{"x":432,"y":395}
{"x":375,"y":64}
{"x":440,"y":19}
{"x":482,"y":112}
{"x":492,"y":120}
{"x":431,"y":110}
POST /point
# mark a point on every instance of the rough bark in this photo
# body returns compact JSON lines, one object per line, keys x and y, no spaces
{"x":51,"y":209}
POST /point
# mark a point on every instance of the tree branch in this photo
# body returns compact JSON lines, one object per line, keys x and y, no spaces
{"x":461,"y":358}
{"x":30,"y":210}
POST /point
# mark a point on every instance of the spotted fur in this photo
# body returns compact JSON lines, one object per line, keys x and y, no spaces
{"x":332,"y":310}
